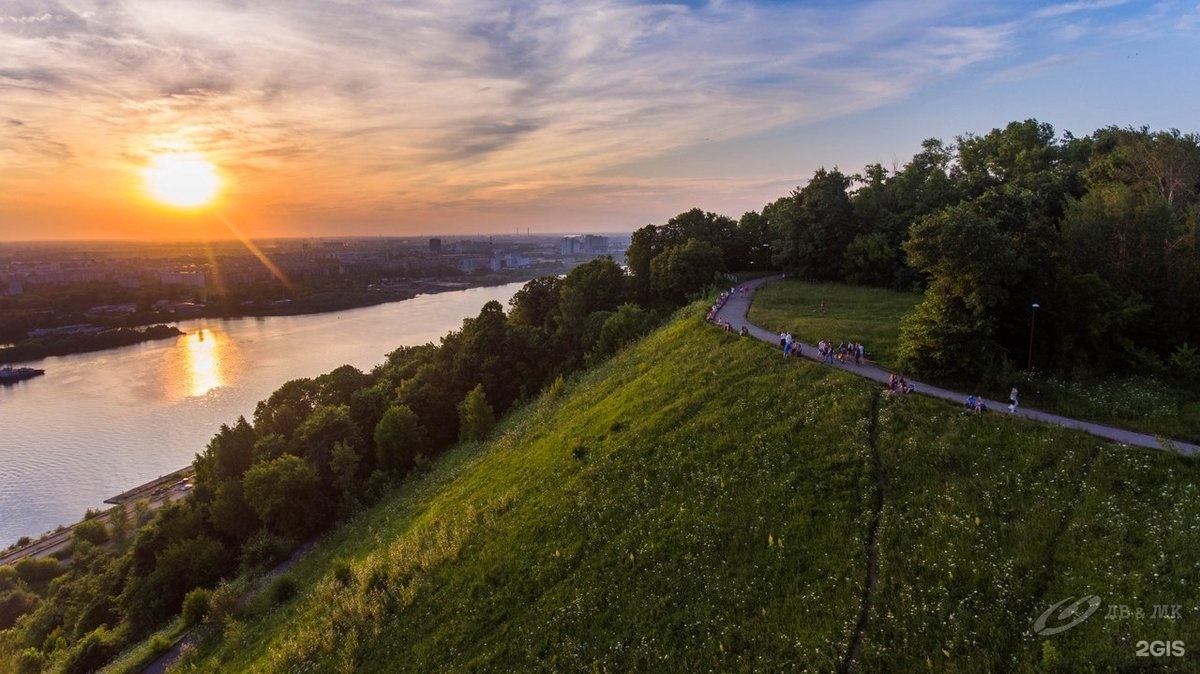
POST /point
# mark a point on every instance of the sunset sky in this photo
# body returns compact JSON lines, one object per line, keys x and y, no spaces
{"x":453,"y":116}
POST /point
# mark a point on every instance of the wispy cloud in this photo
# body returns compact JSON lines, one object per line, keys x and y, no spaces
{"x":1073,"y":7}
{"x":314,"y":105}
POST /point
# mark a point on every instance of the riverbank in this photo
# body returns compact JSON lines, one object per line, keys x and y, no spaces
{"x":142,"y":327}
{"x":63,"y":345}
{"x":157,"y":493}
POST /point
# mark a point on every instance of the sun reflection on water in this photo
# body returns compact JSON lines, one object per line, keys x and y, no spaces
{"x":203,"y":350}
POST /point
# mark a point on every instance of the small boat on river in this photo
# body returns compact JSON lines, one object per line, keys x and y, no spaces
{"x":10,"y":375}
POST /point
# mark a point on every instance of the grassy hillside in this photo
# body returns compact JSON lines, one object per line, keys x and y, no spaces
{"x":700,"y":504}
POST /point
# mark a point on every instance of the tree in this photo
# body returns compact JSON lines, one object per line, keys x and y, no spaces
{"x":285,"y":493}
{"x":475,"y":416}
{"x":344,"y":465}
{"x":598,"y":285}
{"x":536,"y":302}
{"x":93,"y":531}
{"x":327,"y":425}
{"x":737,"y":246}
{"x":622,"y":327}
{"x":181,"y":566}
{"x":684,"y":269}
{"x":971,"y":266}
{"x":817,"y":227}
{"x":399,"y":438}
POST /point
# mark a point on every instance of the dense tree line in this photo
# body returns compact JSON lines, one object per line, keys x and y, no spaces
{"x":316,"y":451}
{"x":1100,"y":232}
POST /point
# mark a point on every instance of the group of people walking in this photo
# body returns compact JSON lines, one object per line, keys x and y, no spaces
{"x":977,"y":404}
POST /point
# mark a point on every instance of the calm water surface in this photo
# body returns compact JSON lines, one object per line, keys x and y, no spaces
{"x":99,"y":423}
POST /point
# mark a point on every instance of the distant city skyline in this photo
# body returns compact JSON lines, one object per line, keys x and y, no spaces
{"x":484,"y":118}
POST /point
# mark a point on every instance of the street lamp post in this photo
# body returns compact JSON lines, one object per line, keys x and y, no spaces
{"x":1032,"y":316}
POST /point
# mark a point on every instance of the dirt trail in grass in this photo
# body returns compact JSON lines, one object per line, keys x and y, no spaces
{"x":1046,"y":573}
{"x":854,"y":653}
{"x":738,"y":306}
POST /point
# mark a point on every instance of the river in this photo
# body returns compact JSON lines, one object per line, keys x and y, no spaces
{"x":99,"y":423}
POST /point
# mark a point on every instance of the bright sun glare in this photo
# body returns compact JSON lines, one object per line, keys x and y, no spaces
{"x":182,"y":179}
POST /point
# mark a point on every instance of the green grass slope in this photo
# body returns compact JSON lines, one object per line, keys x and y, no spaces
{"x":701,"y":504}
{"x":851,"y":313}
{"x":694,"y":504}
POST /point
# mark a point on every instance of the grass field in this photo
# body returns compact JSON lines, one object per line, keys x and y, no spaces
{"x":699,"y":504}
{"x":851,"y":313}
{"x":873,"y":315}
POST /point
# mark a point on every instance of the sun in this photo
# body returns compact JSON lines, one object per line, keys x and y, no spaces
{"x":182,"y":179}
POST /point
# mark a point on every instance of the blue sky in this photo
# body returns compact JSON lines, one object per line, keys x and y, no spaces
{"x":438,"y":116}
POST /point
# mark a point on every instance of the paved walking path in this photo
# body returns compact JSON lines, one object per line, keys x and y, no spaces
{"x":737,"y":306}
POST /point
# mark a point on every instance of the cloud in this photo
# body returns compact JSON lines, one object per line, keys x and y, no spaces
{"x":1073,"y":7}
{"x":458,"y":101}
{"x":1032,"y":68}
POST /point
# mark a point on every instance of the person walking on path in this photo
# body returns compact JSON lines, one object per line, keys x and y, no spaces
{"x":1012,"y":400}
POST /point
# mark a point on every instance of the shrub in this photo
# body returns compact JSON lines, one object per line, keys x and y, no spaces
{"x":34,"y":570}
{"x":342,"y":572}
{"x":91,"y":530}
{"x":196,"y":605}
{"x":1185,"y":363}
{"x":159,"y":644}
{"x":224,"y":600}
{"x":93,"y":651}
{"x":475,"y":416}
{"x":8,"y":578}
{"x":282,"y":589}
{"x":263,"y":551}
{"x":13,"y":605}
{"x":28,"y":661}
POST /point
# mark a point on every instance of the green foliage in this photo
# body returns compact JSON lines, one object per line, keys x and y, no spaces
{"x":683,"y":270}
{"x":324,"y":428}
{"x":9,"y":578}
{"x":812,"y":239}
{"x":119,"y":524}
{"x":195,"y":606}
{"x":92,"y":652}
{"x":262,"y":551}
{"x":475,"y":417}
{"x":623,"y":326}
{"x":536,"y":303}
{"x":282,"y":589}
{"x":92,"y":531}
{"x":1185,"y":363}
{"x":285,"y":494}
{"x":28,"y":661}
{"x":972,"y":267}
{"x":14,"y":604}
{"x":183,"y":565}
{"x":399,"y":437}
{"x":224,"y":600}
{"x":873,"y":259}
{"x":38,"y":571}
{"x":737,"y":245}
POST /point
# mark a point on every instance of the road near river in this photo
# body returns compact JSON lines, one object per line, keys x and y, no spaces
{"x":97,"y":424}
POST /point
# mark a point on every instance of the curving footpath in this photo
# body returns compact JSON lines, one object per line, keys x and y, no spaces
{"x":736,"y":307}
